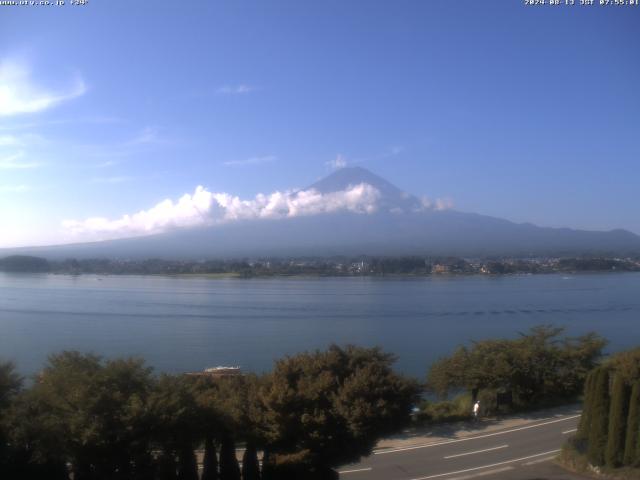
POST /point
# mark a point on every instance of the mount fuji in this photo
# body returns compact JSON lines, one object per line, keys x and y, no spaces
{"x":393,"y":223}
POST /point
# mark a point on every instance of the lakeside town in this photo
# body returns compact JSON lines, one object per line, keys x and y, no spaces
{"x":334,"y":266}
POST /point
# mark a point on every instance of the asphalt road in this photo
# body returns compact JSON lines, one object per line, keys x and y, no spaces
{"x":499,"y":454}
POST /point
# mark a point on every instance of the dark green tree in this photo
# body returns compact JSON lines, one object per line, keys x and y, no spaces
{"x":144,"y":466}
{"x":268,"y":467}
{"x":250,"y":465}
{"x":324,"y":409}
{"x":585,"y":419}
{"x":175,"y":423}
{"x":632,"y":439}
{"x":187,"y":464}
{"x":210,"y":461}
{"x":599,"y":418}
{"x":10,"y":384}
{"x":36,"y":450}
{"x":618,"y":413}
{"x":229,"y":467}
{"x":167,"y":466}
{"x":537,"y":367}
{"x":95,"y":410}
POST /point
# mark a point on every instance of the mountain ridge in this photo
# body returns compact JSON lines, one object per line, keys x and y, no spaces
{"x":401,"y":224}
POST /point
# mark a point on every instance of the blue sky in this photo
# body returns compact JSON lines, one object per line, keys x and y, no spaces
{"x":526,"y":113}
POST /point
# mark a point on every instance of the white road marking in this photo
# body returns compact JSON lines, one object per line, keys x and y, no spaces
{"x":483,"y":474}
{"x":356,"y":470}
{"x":477,"y":451}
{"x":570,"y":431}
{"x":486,"y":466}
{"x":415,"y":447}
{"x":533,"y":462}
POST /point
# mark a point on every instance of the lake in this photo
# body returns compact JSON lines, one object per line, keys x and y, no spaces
{"x":188,"y":323}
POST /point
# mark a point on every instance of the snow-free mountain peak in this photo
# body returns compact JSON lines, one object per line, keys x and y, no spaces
{"x":390,"y":196}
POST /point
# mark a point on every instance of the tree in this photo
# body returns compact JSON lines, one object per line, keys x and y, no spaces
{"x":10,"y":384}
{"x":632,"y":439}
{"x":617,"y":422}
{"x":323,"y":409}
{"x":210,"y":461}
{"x":535,"y":367}
{"x":229,"y":468}
{"x":232,"y":410}
{"x":36,"y":450}
{"x":250,"y":465}
{"x":627,"y":364}
{"x":585,"y":419}
{"x":167,"y":468}
{"x":187,"y":464}
{"x":268,"y":466}
{"x":599,"y":418}
{"x":96,"y":411}
{"x":24,"y":263}
{"x":175,"y":424}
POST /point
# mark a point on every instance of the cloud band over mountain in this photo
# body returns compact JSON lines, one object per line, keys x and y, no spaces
{"x":209,"y":208}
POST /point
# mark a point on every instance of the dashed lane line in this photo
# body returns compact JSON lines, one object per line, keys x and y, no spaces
{"x":486,"y":466}
{"x":483,"y":474}
{"x":570,"y":431}
{"x":477,"y":451}
{"x":356,"y":470}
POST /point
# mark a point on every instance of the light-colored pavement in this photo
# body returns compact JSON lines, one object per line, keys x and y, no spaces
{"x":509,"y":448}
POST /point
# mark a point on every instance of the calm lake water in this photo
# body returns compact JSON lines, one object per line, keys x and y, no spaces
{"x":182,"y":324}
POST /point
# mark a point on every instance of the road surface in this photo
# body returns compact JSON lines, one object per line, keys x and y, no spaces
{"x":509,"y":453}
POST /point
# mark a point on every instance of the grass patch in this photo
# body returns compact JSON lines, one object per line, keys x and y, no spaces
{"x":445,"y":411}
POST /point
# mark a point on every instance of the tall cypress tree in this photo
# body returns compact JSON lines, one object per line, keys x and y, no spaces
{"x":599,"y":418}
{"x":267,"y":466}
{"x":229,"y":468}
{"x":187,"y":464}
{"x":167,"y":466}
{"x":585,"y":419}
{"x":618,"y":413}
{"x":144,"y":467}
{"x":210,"y":461}
{"x":250,"y":465}
{"x":632,"y":440}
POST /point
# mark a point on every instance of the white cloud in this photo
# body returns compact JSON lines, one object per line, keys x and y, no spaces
{"x":9,"y":140}
{"x":251,"y":161}
{"x":443,"y":204}
{"x":21,"y":140}
{"x":99,"y":120}
{"x":437,"y":204}
{"x":14,"y":188}
{"x":209,"y":208}
{"x":19,"y":94}
{"x":236,"y":89}
{"x":337,"y":163}
{"x":12,"y":162}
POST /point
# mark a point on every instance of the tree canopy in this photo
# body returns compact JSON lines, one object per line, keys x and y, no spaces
{"x":537,"y":366}
{"x":115,"y":419}
{"x":329,"y":408}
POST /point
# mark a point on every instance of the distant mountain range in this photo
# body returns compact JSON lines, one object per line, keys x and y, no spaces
{"x":401,"y":224}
